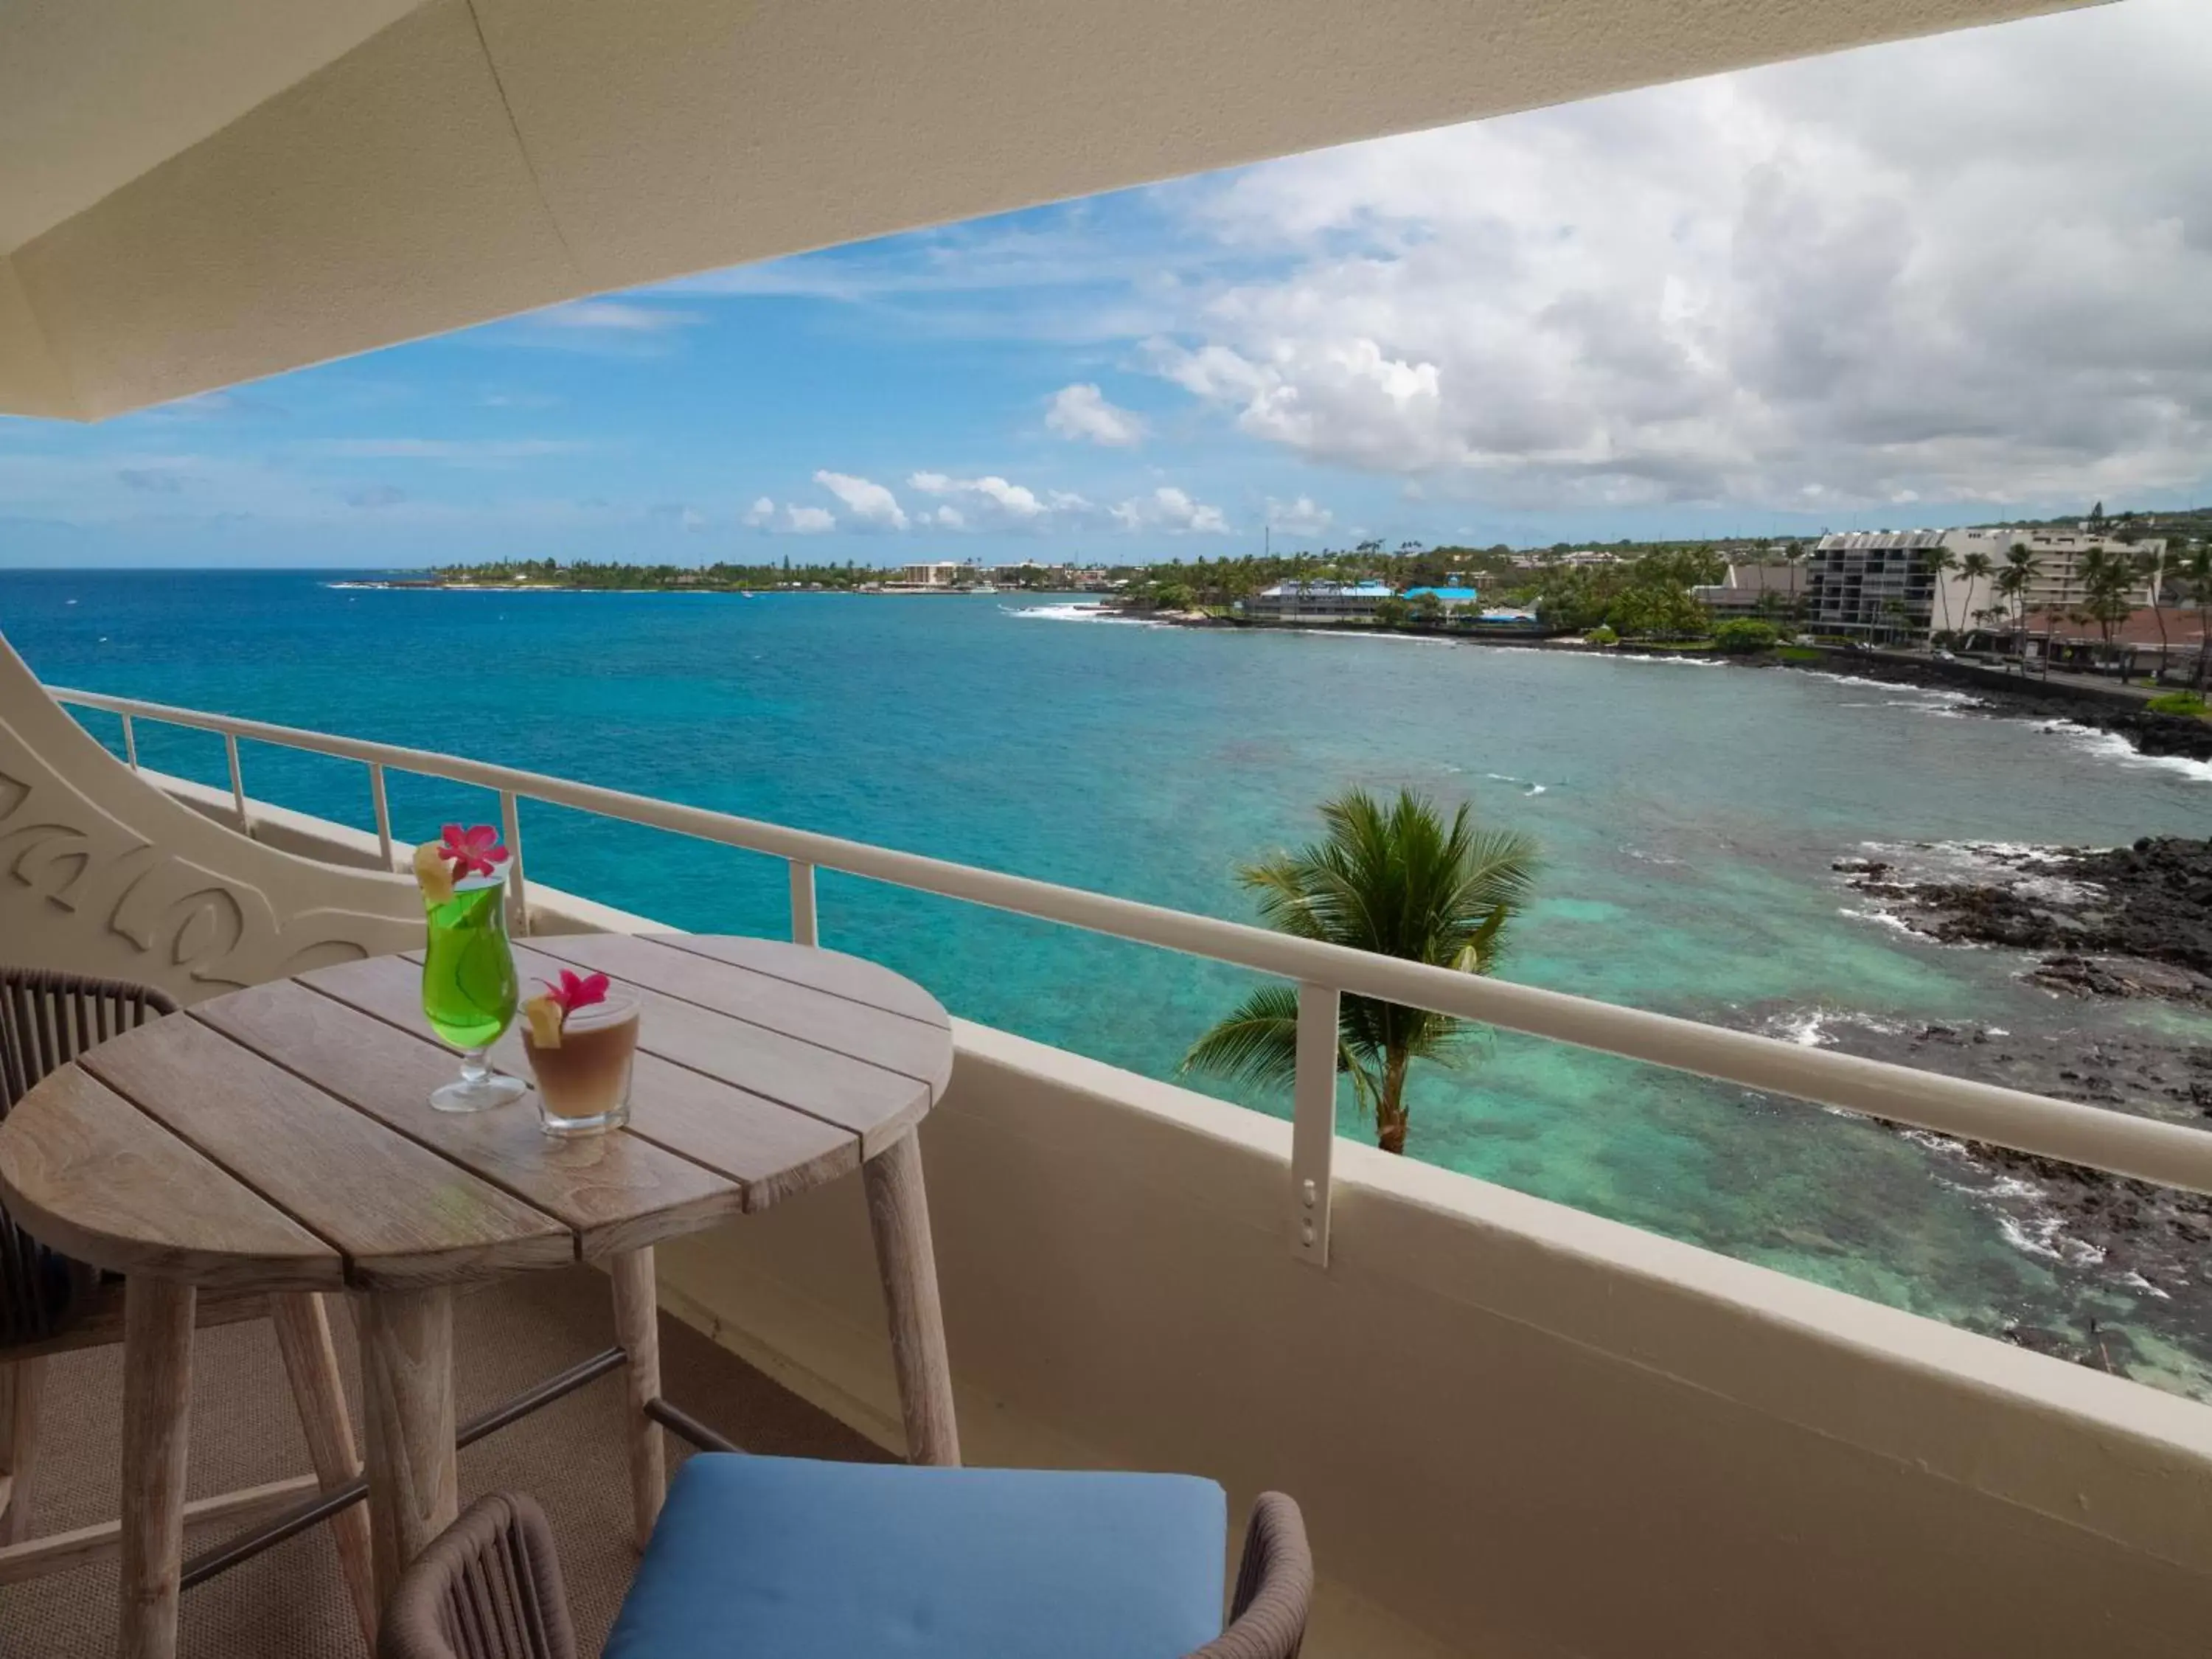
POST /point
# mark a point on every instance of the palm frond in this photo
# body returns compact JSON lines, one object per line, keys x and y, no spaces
{"x":1257,"y":1044}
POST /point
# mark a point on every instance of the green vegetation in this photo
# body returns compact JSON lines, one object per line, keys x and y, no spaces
{"x":2179,"y":702}
{"x":1799,"y":653}
{"x":1603,"y":635}
{"x":1397,"y":880}
{"x":713,"y":578}
{"x":1743,"y":636}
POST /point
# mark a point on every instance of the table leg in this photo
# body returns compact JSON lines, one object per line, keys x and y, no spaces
{"x":898,"y":1215}
{"x":407,"y":1384}
{"x":157,"y":1388}
{"x":637,"y":1327}
{"x":303,"y":1338}
{"x":23,"y":1388}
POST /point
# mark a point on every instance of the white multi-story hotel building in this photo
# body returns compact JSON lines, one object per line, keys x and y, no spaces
{"x":1882,"y":585}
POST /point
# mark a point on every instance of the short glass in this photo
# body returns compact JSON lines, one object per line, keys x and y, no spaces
{"x":469,"y":989}
{"x":583,"y":1085}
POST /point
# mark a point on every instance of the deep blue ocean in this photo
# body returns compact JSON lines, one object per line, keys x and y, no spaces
{"x":1689,"y":816}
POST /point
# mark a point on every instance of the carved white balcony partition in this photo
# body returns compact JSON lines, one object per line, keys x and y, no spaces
{"x":102,"y":874}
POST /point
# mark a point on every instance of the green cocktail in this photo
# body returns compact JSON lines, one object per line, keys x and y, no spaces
{"x":469,"y":989}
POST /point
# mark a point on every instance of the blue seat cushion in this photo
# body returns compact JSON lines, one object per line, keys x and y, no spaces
{"x":782,"y":1558}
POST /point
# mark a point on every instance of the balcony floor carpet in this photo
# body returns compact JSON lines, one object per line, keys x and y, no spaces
{"x":290,"y":1602}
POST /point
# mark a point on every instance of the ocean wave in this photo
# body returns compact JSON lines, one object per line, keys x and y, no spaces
{"x":1077,"y":612}
{"x":1523,"y":784}
{"x":1880,"y":917}
{"x":2109,"y":745}
{"x":2046,"y":1235}
{"x":1812,"y":1027}
{"x":1683,"y":658}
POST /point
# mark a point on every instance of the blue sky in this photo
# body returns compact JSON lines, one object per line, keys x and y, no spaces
{"x":1759,"y":302}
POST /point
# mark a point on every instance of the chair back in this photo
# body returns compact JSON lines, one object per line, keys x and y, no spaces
{"x":47,"y":1020}
{"x":489,"y":1587}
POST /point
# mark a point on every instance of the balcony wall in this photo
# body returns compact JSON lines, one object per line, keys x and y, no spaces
{"x":1516,"y":1429}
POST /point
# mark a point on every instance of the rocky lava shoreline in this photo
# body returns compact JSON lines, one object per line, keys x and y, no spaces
{"x":2126,"y":921}
{"x":2134,"y":921}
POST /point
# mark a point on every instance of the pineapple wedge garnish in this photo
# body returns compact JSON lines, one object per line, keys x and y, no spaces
{"x":432,"y":873}
{"x":543,"y":1015}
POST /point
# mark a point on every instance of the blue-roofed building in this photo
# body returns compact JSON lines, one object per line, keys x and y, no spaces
{"x":1452,"y":598}
{"x":1314,"y":602}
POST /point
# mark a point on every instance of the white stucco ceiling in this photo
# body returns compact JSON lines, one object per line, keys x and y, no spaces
{"x":195,"y":193}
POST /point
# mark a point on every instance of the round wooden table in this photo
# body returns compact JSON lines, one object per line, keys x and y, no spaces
{"x":281,"y":1139}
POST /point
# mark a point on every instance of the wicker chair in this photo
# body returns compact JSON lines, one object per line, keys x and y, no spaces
{"x":489,"y":1588}
{"x":51,"y":1304}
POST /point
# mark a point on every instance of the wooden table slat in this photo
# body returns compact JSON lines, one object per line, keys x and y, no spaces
{"x":853,"y":978}
{"x":615,"y":1191}
{"x":89,"y":1173}
{"x":891,"y":1041}
{"x":876,"y":1104}
{"x":399,"y":1213}
{"x":768,"y":1149}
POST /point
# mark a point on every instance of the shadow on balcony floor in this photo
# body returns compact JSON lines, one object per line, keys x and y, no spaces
{"x":289,"y":1603}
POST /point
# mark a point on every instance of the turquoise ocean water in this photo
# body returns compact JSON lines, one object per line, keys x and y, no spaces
{"x":1689,"y":815}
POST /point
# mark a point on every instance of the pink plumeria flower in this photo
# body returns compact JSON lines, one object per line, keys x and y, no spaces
{"x":576,"y":991}
{"x":475,"y":851}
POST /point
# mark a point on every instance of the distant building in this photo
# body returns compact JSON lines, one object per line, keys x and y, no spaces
{"x":2055,"y":584}
{"x":1586,"y":556}
{"x":1753,"y":590}
{"x":1883,"y":586}
{"x":1029,"y":574}
{"x":1314,"y":602}
{"x":1455,"y":597}
{"x":1874,"y":585}
{"x":947,"y":573}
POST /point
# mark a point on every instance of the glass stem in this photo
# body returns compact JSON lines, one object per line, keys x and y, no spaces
{"x":474,"y":1069}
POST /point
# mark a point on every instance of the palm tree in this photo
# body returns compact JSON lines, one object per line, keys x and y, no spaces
{"x":2150,"y":566}
{"x":1974,"y":567}
{"x":2020,"y":568}
{"x":1941,"y":563}
{"x":2108,"y":580}
{"x":1396,"y":879}
{"x":2198,"y":567}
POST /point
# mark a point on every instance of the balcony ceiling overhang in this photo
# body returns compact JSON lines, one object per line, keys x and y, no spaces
{"x":198,"y":193}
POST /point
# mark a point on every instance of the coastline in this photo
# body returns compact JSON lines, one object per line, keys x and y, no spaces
{"x":2110,"y":708}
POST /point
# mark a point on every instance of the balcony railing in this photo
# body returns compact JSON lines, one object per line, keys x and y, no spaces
{"x":2165,"y":1154}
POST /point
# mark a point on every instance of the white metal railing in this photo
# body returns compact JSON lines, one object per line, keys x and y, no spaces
{"x":2166,"y":1154}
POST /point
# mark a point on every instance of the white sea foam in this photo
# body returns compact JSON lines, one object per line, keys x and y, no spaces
{"x":1077,"y":612}
{"x":1812,"y":1027}
{"x":1882,"y":918}
{"x":2046,"y":1236}
{"x":1683,"y":658}
{"x":2109,"y":745}
{"x":1523,"y":784}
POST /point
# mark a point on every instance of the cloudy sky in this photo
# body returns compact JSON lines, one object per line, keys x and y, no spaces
{"x":1940,"y":282}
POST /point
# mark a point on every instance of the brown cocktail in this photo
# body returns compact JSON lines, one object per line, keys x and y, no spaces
{"x":583,"y":1071}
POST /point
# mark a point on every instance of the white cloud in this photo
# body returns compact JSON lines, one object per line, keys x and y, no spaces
{"x":1303,"y":517}
{"x":1081,"y":411}
{"x":998,"y":499}
{"x":1171,"y":510}
{"x":870,"y":503}
{"x":614,"y":316}
{"x":809,"y":520}
{"x":992,"y":502}
{"x":760,"y":512}
{"x":1901,"y":275}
